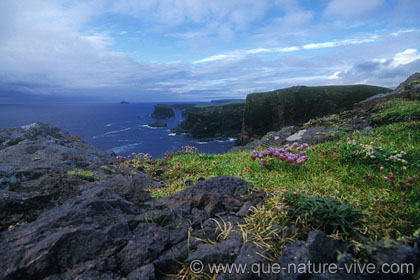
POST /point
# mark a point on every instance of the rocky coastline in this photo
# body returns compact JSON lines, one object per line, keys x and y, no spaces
{"x":71,"y":211}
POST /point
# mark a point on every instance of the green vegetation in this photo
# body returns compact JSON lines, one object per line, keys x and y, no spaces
{"x":397,"y":110}
{"x":327,"y":214}
{"x":108,"y":169}
{"x":411,"y":84}
{"x":35,"y":159}
{"x":84,"y":174}
{"x":361,"y":184}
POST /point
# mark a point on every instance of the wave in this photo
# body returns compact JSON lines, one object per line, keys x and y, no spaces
{"x":171,"y":134}
{"x":123,"y":148}
{"x":111,"y":132}
{"x":230,"y":139}
{"x":148,"y":126}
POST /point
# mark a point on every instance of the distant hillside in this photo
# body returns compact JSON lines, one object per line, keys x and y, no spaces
{"x":269,"y":111}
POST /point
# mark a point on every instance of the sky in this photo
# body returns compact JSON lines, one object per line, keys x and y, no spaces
{"x":197,"y":50}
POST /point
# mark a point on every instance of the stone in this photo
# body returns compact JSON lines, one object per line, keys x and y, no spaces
{"x":158,"y":124}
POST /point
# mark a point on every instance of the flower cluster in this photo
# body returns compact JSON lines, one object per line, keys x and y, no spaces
{"x":121,"y":158}
{"x":372,"y":152}
{"x":135,"y":156}
{"x":290,"y":154}
{"x":189,"y":149}
{"x":391,"y":179}
{"x":141,"y":156}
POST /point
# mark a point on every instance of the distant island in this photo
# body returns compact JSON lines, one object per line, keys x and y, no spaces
{"x":124,"y":102}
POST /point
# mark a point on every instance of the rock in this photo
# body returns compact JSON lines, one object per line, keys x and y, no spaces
{"x":34,"y":163}
{"x":99,"y":234}
{"x":162,"y":111}
{"x":146,"y":272}
{"x":317,"y":249}
{"x":132,"y":188}
{"x":250,"y":258}
{"x":124,"y":102}
{"x":270,"y":111}
{"x":158,"y":124}
{"x":272,"y":138}
{"x":77,"y":233}
{"x":213,"y":196}
{"x":188,"y":182}
{"x":410,"y":88}
{"x":289,"y":135}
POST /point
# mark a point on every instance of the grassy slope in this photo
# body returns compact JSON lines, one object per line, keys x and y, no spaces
{"x":332,"y":171}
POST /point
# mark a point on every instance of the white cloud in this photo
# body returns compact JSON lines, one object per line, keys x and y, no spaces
{"x":339,"y":43}
{"x":405,"y":57}
{"x":352,"y":8}
{"x":335,"y":76}
{"x":214,"y":58}
{"x":288,"y":49}
{"x":242,"y":53}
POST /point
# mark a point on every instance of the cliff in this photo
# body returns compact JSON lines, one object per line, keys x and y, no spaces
{"x":71,"y":211}
{"x":270,"y":111}
{"x":212,"y":121}
{"x":162,"y":111}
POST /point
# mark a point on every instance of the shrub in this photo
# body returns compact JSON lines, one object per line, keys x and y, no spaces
{"x":327,"y":214}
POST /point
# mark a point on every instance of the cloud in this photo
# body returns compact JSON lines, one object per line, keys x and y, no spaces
{"x":381,"y":71}
{"x":236,"y":13}
{"x":405,"y":57}
{"x":312,"y":46}
{"x":339,"y":43}
{"x":352,"y":9}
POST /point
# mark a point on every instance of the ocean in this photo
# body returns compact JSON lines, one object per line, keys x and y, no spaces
{"x":119,"y":128}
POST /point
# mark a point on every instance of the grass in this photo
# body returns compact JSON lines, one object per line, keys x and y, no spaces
{"x":396,"y":110}
{"x":84,"y":174}
{"x":346,"y":193}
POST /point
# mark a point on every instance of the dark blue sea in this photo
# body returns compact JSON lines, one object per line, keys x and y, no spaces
{"x":120,"y":128}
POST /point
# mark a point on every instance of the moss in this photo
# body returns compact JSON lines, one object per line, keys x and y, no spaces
{"x":396,"y":110}
{"x":108,"y":169}
{"x":35,"y":159}
{"x":84,"y":174}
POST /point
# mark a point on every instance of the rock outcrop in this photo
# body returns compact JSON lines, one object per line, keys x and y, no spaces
{"x":158,"y":124}
{"x":410,"y":88}
{"x":41,"y":167}
{"x":271,"y":111}
{"x":212,"y":121}
{"x":162,"y":111}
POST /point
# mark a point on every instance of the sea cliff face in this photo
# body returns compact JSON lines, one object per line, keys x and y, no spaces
{"x":212,"y":121}
{"x":270,"y":111}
